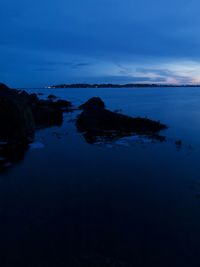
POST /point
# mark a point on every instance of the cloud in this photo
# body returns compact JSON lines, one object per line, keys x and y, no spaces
{"x":144,"y":39}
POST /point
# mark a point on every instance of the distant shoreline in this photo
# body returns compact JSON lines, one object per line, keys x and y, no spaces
{"x":110,"y":85}
{"x":104,"y":85}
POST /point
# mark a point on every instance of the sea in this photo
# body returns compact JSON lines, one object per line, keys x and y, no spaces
{"x":130,"y":202}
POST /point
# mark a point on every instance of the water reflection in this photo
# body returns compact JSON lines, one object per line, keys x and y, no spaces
{"x":113,"y":137}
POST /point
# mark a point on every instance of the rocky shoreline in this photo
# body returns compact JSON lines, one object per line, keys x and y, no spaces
{"x":21,"y":114}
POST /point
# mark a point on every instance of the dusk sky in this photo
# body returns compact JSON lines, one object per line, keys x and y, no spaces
{"x":46,"y":42}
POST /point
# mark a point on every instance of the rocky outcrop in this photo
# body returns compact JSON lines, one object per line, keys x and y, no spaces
{"x":62,"y":104}
{"x":17,"y":126}
{"x":52,"y":96}
{"x":46,"y":112}
{"x":95,"y":121}
{"x":20,"y":115}
{"x":94,"y":102}
{"x":16,"y":118}
{"x":46,"y":116}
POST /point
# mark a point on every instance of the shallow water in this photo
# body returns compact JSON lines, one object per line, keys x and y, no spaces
{"x":132,"y":202}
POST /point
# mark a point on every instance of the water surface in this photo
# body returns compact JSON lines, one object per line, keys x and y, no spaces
{"x":134,"y":203}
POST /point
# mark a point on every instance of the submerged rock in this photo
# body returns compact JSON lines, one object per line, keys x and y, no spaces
{"x":95,"y":121}
{"x":62,"y":104}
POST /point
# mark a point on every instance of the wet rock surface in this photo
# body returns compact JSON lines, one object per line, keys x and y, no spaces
{"x":95,"y":121}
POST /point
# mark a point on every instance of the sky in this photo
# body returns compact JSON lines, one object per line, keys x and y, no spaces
{"x":45,"y":42}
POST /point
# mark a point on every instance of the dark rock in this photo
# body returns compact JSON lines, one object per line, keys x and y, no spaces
{"x":52,"y":97}
{"x":30,"y":99}
{"x":105,"y":120}
{"x":94,"y":102}
{"x":24,"y":94}
{"x":95,"y":121}
{"x":59,"y":105}
{"x":33,"y":98}
{"x":45,"y":103}
{"x":62,"y":104}
{"x":16,"y":119}
{"x":45,"y":116}
{"x":17,"y":126}
{"x":20,"y":114}
{"x":3,"y":87}
{"x":48,"y":113}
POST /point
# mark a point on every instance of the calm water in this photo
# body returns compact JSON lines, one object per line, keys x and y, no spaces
{"x":69,"y":203}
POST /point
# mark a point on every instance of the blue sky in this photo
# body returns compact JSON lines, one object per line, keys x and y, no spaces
{"x":64,"y":41}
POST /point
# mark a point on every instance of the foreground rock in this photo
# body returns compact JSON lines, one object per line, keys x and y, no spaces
{"x":47,"y":116}
{"x":46,"y":112}
{"x":20,"y":115}
{"x":16,"y":118}
{"x":17,"y":126}
{"x":95,"y":121}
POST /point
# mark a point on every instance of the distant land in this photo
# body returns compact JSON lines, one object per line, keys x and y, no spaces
{"x":110,"y":85}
